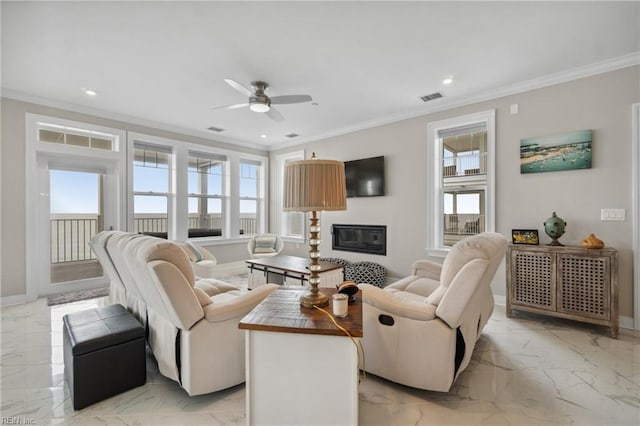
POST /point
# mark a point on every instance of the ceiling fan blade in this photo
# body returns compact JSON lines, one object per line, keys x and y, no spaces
{"x":233,"y":106}
{"x":239,"y":87}
{"x":290,"y":99}
{"x":274,"y":114}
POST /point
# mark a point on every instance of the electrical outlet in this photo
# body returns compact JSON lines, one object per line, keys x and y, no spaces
{"x":616,"y":215}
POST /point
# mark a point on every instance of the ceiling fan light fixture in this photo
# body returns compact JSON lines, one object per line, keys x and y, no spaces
{"x":259,"y":107}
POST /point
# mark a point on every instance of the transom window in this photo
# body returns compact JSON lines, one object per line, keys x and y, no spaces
{"x":69,"y":136}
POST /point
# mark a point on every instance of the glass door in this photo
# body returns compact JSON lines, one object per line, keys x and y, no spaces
{"x":75,"y":216}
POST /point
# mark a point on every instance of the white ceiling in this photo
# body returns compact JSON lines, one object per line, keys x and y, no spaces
{"x":363,"y":63}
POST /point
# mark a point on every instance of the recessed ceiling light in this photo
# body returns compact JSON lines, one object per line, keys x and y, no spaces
{"x":263,"y":136}
{"x":89,"y":92}
{"x":447,"y":81}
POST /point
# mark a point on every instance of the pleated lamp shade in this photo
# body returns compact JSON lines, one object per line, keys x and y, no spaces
{"x":314,"y":185}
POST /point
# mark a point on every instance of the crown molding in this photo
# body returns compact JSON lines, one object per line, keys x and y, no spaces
{"x":612,"y":64}
{"x":80,"y":109}
{"x":441,"y":105}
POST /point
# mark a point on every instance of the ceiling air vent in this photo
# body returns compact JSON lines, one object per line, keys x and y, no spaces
{"x":215,"y":129}
{"x":292,"y":135}
{"x":427,"y":98}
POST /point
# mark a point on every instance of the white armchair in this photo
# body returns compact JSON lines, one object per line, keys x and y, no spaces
{"x":265,"y":245}
{"x":192,"y":326}
{"x":202,"y":260}
{"x":421,"y":330}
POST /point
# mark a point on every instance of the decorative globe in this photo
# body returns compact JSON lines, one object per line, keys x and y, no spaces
{"x":554,"y":228}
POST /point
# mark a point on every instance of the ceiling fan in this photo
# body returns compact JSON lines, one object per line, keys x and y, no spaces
{"x":260,"y":102}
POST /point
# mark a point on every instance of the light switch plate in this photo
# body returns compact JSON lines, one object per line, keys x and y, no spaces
{"x":617,"y":215}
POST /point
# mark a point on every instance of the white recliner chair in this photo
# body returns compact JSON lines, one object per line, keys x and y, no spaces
{"x":192,"y":326}
{"x":421,"y":330}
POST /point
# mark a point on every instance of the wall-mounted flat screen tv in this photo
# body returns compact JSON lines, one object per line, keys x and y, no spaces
{"x":365,"y":178}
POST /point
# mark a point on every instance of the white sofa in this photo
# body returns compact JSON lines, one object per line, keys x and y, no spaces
{"x":421,"y":330}
{"x":192,"y":327}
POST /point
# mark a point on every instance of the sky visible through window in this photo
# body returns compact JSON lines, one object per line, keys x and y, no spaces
{"x":466,"y":203}
{"x":73,"y":192}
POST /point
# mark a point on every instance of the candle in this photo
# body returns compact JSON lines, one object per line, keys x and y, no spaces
{"x":340,"y":305}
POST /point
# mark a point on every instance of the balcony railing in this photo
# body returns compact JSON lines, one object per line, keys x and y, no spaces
{"x":158,"y":223}
{"x":464,"y":165}
{"x":464,"y":224}
{"x":70,"y":236}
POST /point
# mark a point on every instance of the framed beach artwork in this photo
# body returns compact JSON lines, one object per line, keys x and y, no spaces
{"x":567,"y":151}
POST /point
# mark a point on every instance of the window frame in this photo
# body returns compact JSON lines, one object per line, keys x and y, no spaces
{"x":179,"y":214}
{"x":435,"y":205}
{"x":282,"y":223}
{"x":38,"y":154}
{"x":139,"y":141}
{"x":223,"y":196}
{"x":259,"y":198}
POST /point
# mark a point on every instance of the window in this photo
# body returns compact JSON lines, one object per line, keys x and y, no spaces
{"x":196,"y":191}
{"x":249,"y":196}
{"x":206,"y":185}
{"x":460,"y":189}
{"x":151,"y":188}
{"x":65,"y":135}
{"x":291,"y":225}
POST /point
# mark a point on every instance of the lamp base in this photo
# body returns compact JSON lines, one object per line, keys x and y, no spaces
{"x":317,"y":299}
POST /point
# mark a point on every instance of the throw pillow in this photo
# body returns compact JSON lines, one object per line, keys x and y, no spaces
{"x":265,"y":244}
{"x":261,"y":250}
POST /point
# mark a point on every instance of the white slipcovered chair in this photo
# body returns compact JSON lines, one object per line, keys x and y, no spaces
{"x":421,"y":330}
{"x":192,"y":325}
{"x":265,"y":245}
{"x":202,"y":260}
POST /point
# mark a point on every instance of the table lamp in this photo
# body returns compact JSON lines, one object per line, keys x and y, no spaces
{"x":311,"y":186}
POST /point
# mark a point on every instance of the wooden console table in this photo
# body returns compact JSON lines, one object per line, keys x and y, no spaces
{"x":567,"y":282}
{"x":301,"y":369}
{"x":293,"y":270}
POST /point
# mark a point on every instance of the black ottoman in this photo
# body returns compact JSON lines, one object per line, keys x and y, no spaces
{"x":104,"y":354}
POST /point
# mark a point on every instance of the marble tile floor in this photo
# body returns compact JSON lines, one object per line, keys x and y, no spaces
{"x":528,"y":370}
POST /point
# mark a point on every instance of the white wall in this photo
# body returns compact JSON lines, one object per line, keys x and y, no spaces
{"x":601,"y":103}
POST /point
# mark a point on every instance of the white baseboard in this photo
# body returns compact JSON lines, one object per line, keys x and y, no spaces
{"x":499,"y":300}
{"x":18,"y":299}
{"x":626,"y":322}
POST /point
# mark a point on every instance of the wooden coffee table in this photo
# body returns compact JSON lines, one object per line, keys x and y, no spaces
{"x":292,"y":271}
